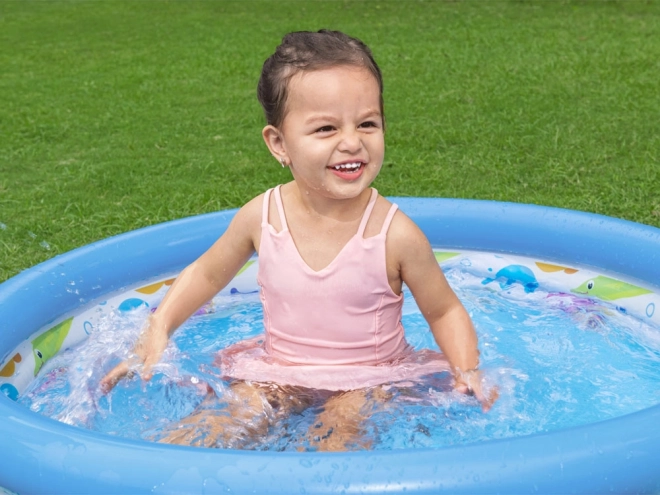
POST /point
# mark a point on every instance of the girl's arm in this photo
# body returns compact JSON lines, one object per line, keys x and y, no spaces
{"x":450,"y":323}
{"x":194,"y":286}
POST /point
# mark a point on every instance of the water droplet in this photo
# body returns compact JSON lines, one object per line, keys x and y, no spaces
{"x":45,"y":245}
{"x":3,"y":226}
{"x":32,"y":234}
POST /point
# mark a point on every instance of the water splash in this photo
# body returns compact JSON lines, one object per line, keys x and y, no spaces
{"x":558,"y":362}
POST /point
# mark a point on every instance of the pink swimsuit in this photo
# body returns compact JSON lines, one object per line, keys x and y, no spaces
{"x":338,"y":328}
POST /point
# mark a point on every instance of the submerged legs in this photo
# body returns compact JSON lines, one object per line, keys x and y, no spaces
{"x":249,"y":409}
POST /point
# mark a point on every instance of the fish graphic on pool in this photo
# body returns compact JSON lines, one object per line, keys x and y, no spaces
{"x":46,"y":345}
{"x":609,"y":289}
{"x":514,"y":274}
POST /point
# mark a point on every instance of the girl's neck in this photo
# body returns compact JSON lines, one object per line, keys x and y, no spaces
{"x":314,"y":204}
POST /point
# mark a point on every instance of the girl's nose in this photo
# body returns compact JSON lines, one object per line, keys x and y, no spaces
{"x":350,"y":142}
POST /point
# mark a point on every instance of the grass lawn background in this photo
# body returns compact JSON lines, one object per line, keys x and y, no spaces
{"x":117,"y":115}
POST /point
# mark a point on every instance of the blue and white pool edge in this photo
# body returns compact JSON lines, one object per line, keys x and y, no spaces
{"x":496,"y":273}
{"x":617,"y":455}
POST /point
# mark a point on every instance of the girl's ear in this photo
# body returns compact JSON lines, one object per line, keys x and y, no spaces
{"x":275,"y":142}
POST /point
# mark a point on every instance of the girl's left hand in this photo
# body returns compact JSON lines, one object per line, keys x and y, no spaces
{"x":471,"y":382}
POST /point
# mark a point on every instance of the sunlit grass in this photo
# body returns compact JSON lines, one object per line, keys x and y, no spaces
{"x":118,"y":115}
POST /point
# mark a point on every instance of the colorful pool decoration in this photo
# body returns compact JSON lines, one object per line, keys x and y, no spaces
{"x":593,"y":258}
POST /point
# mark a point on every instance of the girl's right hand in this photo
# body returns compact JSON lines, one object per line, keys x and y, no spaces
{"x":147,"y":353}
{"x":194,"y":286}
{"x":471,"y":382}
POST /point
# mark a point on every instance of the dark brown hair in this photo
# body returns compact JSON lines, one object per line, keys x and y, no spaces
{"x":309,"y":51}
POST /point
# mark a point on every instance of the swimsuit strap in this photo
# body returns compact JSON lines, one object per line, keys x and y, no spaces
{"x":264,"y":209}
{"x":389,"y":217}
{"x":363,"y":223}
{"x":367,"y":212}
{"x":280,"y":208}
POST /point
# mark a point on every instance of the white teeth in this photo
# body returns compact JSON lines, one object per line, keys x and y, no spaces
{"x":345,"y":166}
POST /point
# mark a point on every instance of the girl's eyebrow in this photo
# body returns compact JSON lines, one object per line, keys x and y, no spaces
{"x":331,"y":118}
{"x":320,"y":118}
{"x":371,"y":114}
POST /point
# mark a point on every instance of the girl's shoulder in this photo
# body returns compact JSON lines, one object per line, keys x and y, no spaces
{"x":249,"y":215}
{"x":404,"y":237}
{"x":401,"y":225}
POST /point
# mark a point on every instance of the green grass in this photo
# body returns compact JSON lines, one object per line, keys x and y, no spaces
{"x":117,"y":115}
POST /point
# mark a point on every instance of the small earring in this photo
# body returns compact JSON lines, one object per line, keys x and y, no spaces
{"x":282,"y":162}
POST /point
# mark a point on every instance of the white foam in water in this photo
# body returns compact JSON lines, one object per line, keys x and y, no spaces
{"x":558,"y":361}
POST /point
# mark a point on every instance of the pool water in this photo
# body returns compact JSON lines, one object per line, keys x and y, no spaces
{"x":559,"y":360}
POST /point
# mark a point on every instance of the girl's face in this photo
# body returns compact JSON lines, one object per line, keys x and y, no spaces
{"x":332,"y":133}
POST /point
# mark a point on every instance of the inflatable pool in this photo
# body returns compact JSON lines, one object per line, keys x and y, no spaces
{"x":52,"y":306}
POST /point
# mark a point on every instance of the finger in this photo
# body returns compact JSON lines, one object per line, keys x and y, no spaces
{"x":117,"y":373}
{"x":147,"y":368}
{"x":492,"y":397}
{"x":487,"y":402}
{"x":478,"y":394}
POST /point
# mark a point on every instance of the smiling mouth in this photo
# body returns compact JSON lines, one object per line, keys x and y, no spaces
{"x":347,"y":167}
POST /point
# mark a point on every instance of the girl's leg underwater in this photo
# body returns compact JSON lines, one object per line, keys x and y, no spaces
{"x":209,"y":426}
{"x":339,"y":426}
{"x":250,"y":409}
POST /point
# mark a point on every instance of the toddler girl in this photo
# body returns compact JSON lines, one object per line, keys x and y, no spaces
{"x":333,"y":255}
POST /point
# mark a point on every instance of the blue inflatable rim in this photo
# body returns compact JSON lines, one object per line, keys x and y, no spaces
{"x":617,"y":455}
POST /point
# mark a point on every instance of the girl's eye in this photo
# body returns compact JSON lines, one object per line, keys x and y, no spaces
{"x":369,"y":124}
{"x":325,"y":128}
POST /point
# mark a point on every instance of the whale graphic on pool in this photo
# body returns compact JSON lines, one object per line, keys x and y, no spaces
{"x":515,"y":274}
